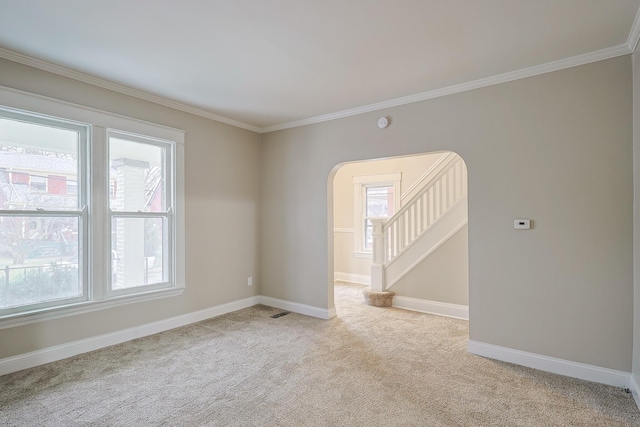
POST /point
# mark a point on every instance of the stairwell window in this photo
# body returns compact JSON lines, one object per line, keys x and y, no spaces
{"x":379,"y":203}
{"x":91,"y":210}
{"x":375,"y":196}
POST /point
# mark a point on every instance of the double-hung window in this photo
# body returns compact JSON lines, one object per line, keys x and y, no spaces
{"x":43,"y":238}
{"x":91,"y":209}
{"x":379,"y":202}
{"x":375,"y":197}
{"x":140,"y":211}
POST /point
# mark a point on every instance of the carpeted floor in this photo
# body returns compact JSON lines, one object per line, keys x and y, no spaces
{"x":367,"y":367}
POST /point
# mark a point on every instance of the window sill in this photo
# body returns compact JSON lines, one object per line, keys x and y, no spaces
{"x":19,"y":319}
{"x":363,"y":255}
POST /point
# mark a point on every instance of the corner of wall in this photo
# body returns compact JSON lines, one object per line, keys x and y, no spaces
{"x":635,"y":371}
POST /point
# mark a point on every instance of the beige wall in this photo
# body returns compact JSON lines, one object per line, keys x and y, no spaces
{"x":443,"y":276}
{"x":556,"y":148}
{"x":636,"y":218}
{"x":222,"y":166}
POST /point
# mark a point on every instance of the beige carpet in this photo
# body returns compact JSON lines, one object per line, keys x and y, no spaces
{"x":367,"y":367}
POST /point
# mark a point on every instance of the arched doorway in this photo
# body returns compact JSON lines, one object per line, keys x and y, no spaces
{"x":436,"y":279}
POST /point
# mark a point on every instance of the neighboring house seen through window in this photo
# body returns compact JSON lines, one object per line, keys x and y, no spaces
{"x":379,"y":203}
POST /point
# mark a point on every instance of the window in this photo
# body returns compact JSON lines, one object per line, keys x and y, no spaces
{"x":59,"y":205}
{"x":70,"y":187}
{"x":38,"y":184}
{"x":379,"y":203}
{"x":41,"y":243}
{"x":140,"y":210}
{"x":375,"y":196}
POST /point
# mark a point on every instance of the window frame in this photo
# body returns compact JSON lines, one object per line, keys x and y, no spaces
{"x":94,"y":207}
{"x":80,"y":212}
{"x":169,"y":202}
{"x":360,"y":185}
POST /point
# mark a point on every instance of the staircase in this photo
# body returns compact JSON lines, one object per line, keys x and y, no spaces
{"x":434,"y":214}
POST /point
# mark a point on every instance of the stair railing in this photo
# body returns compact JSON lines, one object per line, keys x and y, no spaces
{"x":392,"y":236}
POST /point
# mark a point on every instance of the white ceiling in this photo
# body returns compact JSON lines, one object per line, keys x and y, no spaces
{"x":270,"y":64}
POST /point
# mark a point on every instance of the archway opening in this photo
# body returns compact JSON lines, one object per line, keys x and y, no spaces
{"x":415,"y":195}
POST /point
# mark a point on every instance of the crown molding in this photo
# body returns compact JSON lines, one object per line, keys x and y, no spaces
{"x":463,"y":87}
{"x":634,"y":34}
{"x":600,"y":55}
{"x":96,"y":81}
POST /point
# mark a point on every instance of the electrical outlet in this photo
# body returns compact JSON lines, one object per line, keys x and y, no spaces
{"x":250,"y":281}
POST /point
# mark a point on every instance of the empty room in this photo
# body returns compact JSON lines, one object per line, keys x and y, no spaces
{"x":357,"y":213}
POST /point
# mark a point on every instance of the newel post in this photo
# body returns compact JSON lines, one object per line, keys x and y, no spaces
{"x":377,"y":267}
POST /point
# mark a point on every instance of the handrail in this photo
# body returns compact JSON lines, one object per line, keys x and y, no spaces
{"x":427,"y":176}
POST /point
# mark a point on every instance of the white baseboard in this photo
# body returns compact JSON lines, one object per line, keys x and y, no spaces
{"x":63,"y":351}
{"x":635,"y":390}
{"x":552,"y":364}
{"x":359,"y":279}
{"x":432,"y":307}
{"x":307,"y":310}
{"x":59,"y":352}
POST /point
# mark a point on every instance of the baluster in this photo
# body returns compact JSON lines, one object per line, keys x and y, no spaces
{"x":458,"y":180}
{"x":409,"y":219}
{"x":395,"y":240}
{"x":445,"y":191}
{"x":446,"y":185}
{"x":454,"y":182}
{"x":436,"y":199}
{"x":417,"y":218}
{"x":398,"y":235}
{"x":416,"y":230}
{"x":432,"y":204}
{"x":452,"y":194}
{"x":425,"y":209}
{"x":429,"y":207}
{"x":389,"y":243}
{"x":408,"y":229}
{"x":412,"y":228}
{"x":419,"y":222}
{"x":409,"y":222}
{"x":402,"y":229}
{"x":441,"y":196}
{"x":399,"y":230}
{"x":435,"y":202}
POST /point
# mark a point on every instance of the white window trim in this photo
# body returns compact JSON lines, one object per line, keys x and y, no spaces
{"x":360,"y":183}
{"x":80,"y":212}
{"x":100,"y":121}
{"x":169,"y":254}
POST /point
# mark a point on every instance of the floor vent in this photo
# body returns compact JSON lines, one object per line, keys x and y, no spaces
{"x":284,"y":313}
